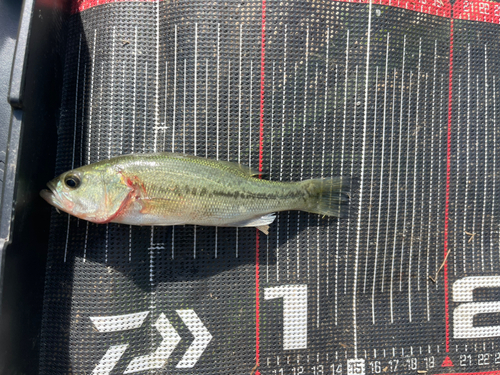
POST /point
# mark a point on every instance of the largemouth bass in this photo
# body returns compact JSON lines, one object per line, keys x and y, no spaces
{"x":172,"y":189}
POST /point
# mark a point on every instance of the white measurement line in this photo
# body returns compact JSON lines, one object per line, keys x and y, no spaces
{"x":467,"y":177}
{"x":476,"y":136}
{"x":431,"y":168}
{"x":422,"y":184}
{"x":429,"y":224}
{"x":292,"y":167}
{"x":174,"y":109}
{"x":91,"y":97}
{"x":157,"y":83}
{"x":312,"y":176}
{"x":85,"y":244}
{"x":145,"y":106}
{"x":323,"y":150}
{"x":281,"y":156}
{"x":165,"y":109}
{"x":486,"y":87}
{"x":494,"y":167}
{"x":391,"y":292}
{"x":206,"y":108}
{"x":412,"y":239}
{"x":74,"y":136}
{"x":106,"y":245}
{"x":306,"y":76}
{"x":239,"y":126}
{"x":195,"y":110}
{"x":271,"y":177}
{"x":217,"y":95}
{"x":76,"y":106}
{"x":250,"y":117}
{"x":122,"y":109}
{"x":351,"y":173}
{"x":130,"y":243}
{"x":459,"y":121}
{"x":390,"y":180}
{"x":151,"y":270}
{"x":174,"y":116}
{"x":381,"y":179}
{"x":99,"y":127}
{"x":363,"y":157}
{"x":173,"y":242}
{"x":341,"y":167}
{"x":370,"y":200}
{"x":406,"y":184}
{"x":110,"y":127}
{"x":184,"y":112}
{"x":315,"y":123}
{"x":82,"y":132}
{"x":440,"y":148}
{"x":216,"y":241}
{"x":135,"y":92}
{"x":229,"y":108}
{"x":217,"y":120}
{"x":239,"y":111}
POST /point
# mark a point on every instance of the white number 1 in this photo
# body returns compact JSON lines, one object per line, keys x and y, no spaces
{"x":294,"y":313}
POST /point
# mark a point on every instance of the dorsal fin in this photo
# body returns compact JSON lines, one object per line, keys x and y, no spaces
{"x":234,"y":167}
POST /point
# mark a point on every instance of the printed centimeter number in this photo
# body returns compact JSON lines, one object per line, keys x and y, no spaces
{"x":463,"y":315}
{"x":481,"y":359}
{"x":295,"y":310}
{"x":333,"y":369}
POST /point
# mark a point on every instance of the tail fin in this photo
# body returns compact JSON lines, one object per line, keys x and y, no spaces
{"x":327,"y":197}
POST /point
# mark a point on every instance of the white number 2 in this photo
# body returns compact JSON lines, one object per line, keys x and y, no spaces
{"x":463,"y":315}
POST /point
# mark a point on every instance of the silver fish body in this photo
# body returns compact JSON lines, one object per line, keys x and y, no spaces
{"x":172,"y":189}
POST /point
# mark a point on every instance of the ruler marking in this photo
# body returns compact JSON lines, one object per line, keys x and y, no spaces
{"x":358,"y":229}
{"x":371,"y":180}
{"x":467,"y":177}
{"x":494,"y":162}
{"x":381,"y":180}
{"x":135,"y":92}
{"x":281,"y":155}
{"x":323,"y":150}
{"x":458,"y":151}
{"x":341,"y":167}
{"x":174,"y":109}
{"x":397,"y":180}
{"x":406,"y":188}
{"x":412,"y":239}
{"x":390,"y":179}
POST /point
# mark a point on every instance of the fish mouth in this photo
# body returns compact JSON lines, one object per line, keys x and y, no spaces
{"x":51,"y":196}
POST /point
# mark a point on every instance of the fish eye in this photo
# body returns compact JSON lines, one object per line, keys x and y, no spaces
{"x":72,"y":181}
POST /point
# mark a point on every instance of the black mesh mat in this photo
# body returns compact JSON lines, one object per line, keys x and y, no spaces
{"x":410,"y":282}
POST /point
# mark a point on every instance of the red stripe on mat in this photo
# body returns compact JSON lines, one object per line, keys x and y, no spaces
{"x":446,"y":212}
{"x":447,"y":204}
{"x":261,"y":154}
{"x":495,"y":372}
{"x":483,"y":11}
{"x":78,"y":6}
{"x":435,"y":7}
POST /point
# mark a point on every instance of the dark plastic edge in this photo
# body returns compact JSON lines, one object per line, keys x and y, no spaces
{"x":20,"y":56}
{"x":7,"y":202}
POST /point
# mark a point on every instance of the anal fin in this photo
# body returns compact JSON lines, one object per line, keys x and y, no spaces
{"x":260,"y":222}
{"x":264,"y":229}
